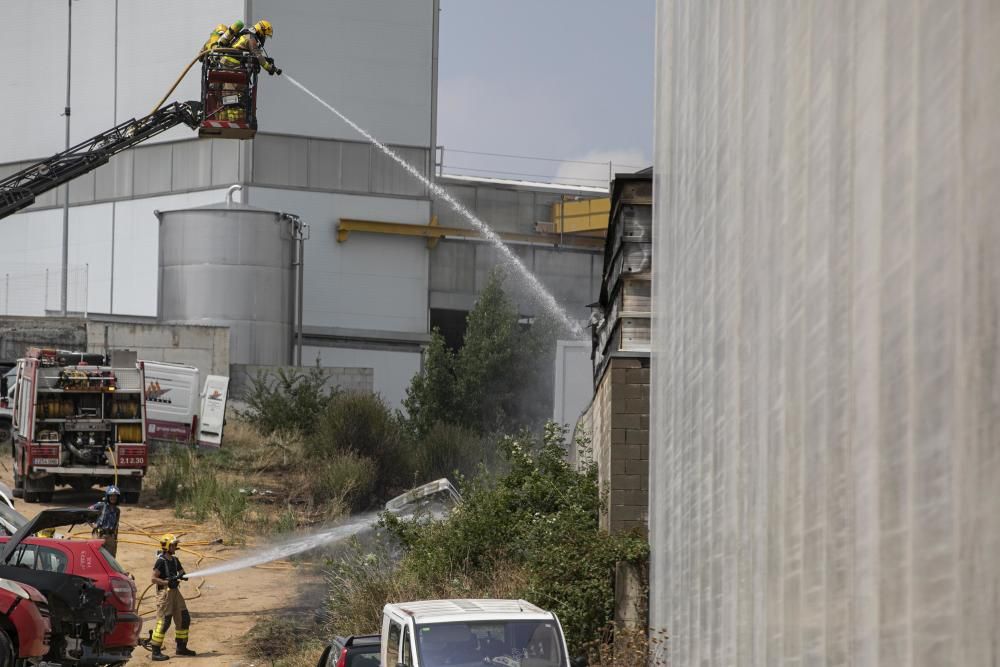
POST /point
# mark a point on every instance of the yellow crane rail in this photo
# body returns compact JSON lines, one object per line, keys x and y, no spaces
{"x":434,"y":233}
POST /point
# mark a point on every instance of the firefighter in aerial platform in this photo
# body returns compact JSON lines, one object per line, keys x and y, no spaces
{"x":168,"y":573}
{"x":223,"y":36}
{"x":252,"y":40}
{"x":106,"y":524}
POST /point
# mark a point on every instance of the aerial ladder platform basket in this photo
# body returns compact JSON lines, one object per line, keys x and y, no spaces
{"x":229,"y":94}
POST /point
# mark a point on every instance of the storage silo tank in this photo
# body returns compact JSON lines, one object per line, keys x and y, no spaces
{"x":230,"y":264}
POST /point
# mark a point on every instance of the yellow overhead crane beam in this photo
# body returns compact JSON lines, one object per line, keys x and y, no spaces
{"x":581,"y":216}
{"x":434,"y":233}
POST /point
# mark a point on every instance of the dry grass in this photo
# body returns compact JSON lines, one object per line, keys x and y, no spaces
{"x":283,"y":642}
{"x":260,"y":483}
{"x":362,"y":582}
{"x":627,"y":647}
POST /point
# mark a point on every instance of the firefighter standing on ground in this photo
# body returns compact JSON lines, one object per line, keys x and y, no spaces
{"x":106,"y":525}
{"x":170,"y":606}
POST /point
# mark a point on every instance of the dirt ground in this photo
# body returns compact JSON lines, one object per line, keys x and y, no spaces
{"x":224,"y":608}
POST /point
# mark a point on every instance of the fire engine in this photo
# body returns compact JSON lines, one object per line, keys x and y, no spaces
{"x":77,"y":422}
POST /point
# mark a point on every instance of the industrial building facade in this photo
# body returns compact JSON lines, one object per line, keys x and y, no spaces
{"x":374,"y":285}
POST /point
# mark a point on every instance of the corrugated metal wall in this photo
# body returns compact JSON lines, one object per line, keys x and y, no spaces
{"x":369,"y":58}
{"x":827,"y":301}
{"x":126,"y":53}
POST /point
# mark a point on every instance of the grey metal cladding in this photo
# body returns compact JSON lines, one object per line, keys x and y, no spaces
{"x":497,"y":206}
{"x":225,"y":161}
{"x":388,"y":177}
{"x":464,"y":194}
{"x":114,"y":179}
{"x":355,"y":167}
{"x":324,"y":164}
{"x":81,"y":189}
{"x":153,"y":170}
{"x":280,"y":160}
{"x":453,"y":267}
{"x":192,"y":164}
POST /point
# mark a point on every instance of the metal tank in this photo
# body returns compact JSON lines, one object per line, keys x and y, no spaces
{"x":232,"y":265}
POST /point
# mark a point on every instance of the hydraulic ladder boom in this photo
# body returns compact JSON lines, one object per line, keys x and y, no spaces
{"x":19,"y":190}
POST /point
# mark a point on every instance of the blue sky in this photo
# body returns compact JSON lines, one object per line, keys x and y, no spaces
{"x":566,"y":79}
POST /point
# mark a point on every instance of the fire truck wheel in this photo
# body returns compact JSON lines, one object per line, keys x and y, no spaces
{"x":18,"y":489}
{"x":38,"y":491}
{"x":131,"y":497}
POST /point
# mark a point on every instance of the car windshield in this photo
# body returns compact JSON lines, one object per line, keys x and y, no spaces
{"x":507,"y":643}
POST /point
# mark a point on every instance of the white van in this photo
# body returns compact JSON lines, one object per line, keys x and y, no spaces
{"x":471,"y":633}
{"x":171,"y":402}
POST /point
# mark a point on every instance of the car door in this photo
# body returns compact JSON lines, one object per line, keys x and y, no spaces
{"x":406,"y":649}
{"x":392,"y":644}
{"x":40,"y":557}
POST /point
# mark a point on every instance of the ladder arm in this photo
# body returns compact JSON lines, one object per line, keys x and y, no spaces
{"x":19,"y":190}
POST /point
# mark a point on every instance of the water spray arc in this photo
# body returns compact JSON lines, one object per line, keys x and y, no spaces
{"x":544,"y":297}
{"x":291,"y":548}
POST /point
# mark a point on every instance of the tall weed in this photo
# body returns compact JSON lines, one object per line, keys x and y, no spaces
{"x":362,"y":424}
{"x":190,"y":481}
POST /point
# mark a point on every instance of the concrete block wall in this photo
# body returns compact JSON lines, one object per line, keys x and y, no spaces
{"x":17,"y":334}
{"x":206,"y":347}
{"x":345,"y":379}
{"x":618,"y":425}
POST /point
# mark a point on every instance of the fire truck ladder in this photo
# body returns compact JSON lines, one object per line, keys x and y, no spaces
{"x":19,"y":190}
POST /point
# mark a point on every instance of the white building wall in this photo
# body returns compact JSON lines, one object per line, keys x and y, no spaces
{"x":369,"y":58}
{"x":393,"y":370}
{"x":574,"y":381}
{"x":372,"y":281}
{"x":30,"y":244}
{"x":155,"y":41}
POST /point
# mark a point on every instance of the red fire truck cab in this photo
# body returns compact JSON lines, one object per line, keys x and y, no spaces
{"x":77,"y":422}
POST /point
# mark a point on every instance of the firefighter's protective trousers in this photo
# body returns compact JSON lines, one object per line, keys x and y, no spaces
{"x":170,"y":606}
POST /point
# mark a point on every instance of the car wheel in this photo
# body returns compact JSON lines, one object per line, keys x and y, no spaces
{"x":6,"y":650}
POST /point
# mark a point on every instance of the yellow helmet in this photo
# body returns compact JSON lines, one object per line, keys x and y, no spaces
{"x":221,"y":28}
{"x":167,"y":540}
{"x":263,"y":27}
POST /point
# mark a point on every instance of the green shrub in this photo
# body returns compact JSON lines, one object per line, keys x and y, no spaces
{"x":539,"y":518}
{"x":286,"y":399}
{"x":445,"y":450}
{"x":430,"y":398}
{"x":362,"y":424}
{"x":500,"y":380}
{"x":344,"y":477}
